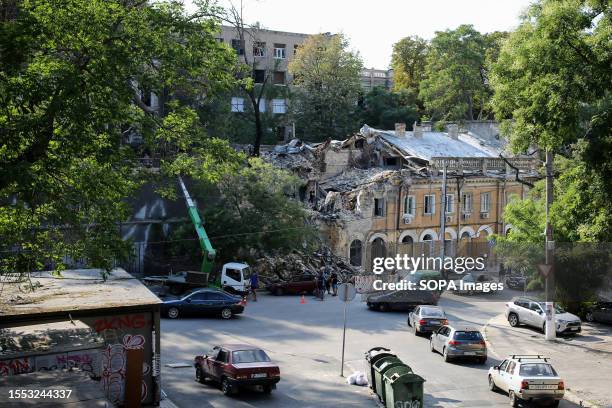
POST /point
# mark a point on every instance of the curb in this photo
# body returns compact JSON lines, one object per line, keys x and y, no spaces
{"x":569,"y":395}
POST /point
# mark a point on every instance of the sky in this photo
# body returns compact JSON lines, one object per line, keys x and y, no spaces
{"x":373,"y":26}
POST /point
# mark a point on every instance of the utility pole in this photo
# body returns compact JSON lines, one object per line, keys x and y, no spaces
{"x":443,"y":213}
{"x":550,"y":325}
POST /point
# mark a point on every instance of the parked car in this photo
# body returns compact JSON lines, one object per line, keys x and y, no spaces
{"x":457,"y":341}
{"x":516,"y":282}
{"x":237,"y":366}
{"x":530,"y":312}
{"x":426,"y":319}
{"x":204,"y":302}
{"x":599,"y":312}
{"x":527,"y":378}
{"x":298,"y":285}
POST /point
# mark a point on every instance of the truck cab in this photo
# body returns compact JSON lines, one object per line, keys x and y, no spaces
{"x":235,"y":277}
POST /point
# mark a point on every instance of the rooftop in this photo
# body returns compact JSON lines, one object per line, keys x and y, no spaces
{"x":75,"y":290}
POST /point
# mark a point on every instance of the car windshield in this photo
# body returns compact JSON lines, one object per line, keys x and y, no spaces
{"x":249,"y":356}
{"x":431,"y":312}
{"x":537,"y":370}
{"x":468,"y":335}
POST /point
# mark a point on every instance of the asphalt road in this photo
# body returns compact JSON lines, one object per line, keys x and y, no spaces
{"x":305,"y":339}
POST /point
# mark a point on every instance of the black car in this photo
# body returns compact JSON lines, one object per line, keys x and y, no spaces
{"x":600,"y":312}
{"x":204,"y":302}
{"x":401,"y":299}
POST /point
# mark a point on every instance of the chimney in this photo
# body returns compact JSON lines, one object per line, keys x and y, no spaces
{"x":400,"y":129}
{"x":453,"y":130}
{"x":417,"y":131}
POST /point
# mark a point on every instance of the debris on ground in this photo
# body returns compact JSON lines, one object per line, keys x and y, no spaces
{"x":357,"y":378}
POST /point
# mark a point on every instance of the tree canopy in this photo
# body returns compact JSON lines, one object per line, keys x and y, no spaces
{"x":383,"y":109}
{"x":75,"y":77}
{"x":326,"y":76}
{"x":408,"y":62}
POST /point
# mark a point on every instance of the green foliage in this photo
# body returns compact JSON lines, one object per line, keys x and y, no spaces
{"x":254,"y":208}
{"x":455,"y":86}
{"x":72,"y":75}
{"x":382,"y":108}
{"x":326,"y":76}
{"x":408,"y":62}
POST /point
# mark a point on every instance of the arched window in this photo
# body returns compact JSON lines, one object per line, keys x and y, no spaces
{"x":379,"y":249}
{"x":427,"y":237}
{"x":355,"y":253}
{"x":465,"y":236}
{"x":408,"y":245}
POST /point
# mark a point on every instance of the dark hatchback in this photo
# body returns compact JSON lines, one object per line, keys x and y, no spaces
{"x":203,"y":302}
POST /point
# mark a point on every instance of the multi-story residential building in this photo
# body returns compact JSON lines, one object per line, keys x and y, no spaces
{"x":371,"y":78}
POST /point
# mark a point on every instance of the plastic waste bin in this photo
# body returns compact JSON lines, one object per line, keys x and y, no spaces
{"x":402,"y":388}
{"x":371,"y":356}
{"x":380,"y":367}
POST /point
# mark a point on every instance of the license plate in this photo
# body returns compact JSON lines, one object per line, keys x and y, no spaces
{"x":573,"y":328}
{"x":543,"y":387}
{"x":259,"y":375}
{"x":434,"y":322}
{"x":469,"y":353}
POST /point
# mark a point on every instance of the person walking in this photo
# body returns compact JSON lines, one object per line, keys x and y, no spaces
{"x":321,"y":285}
{"x":254,"y":285}
{"x":334,"y":283}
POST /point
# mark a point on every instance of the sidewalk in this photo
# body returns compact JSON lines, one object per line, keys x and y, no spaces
{"x":583,"y":361}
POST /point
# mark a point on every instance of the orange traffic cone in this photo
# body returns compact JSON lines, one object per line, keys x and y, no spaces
{"x":302,"y":300}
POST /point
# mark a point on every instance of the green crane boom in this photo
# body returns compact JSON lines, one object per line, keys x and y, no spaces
{"x":208,"y":251}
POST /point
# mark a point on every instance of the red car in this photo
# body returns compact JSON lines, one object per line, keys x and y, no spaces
{"x":299,"y":285}
{"x":236,"y":366}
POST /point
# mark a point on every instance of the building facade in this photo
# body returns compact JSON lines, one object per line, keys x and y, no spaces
{"x":371,"y":78}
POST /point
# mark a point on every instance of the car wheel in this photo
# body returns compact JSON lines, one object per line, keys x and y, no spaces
{"x":555,"y":404}
{"x":482,"y":360}
{"x":415,"y":329}
{"x":226,"y":313}
{"x":544,"y":328}
{"x":226,"y":387}
{"x":447,"y":358}
{"x":279,"y":292}
{"x":199,"y":376}
{"x":383,"y":307}
{"x":431,"y":346}
{"x":408,"y":321}
{"x":267,"y":389}
{"x":589,"y":317}
{"x":492,"y":385}
{"x":514,"y":401}
{"x":173,"y":313}
{"x":513,"y":319}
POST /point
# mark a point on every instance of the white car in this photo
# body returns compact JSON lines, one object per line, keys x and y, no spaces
{"x":527,"y":378}
{"x":530,"y":312}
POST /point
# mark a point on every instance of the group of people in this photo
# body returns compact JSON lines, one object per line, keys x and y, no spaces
{"x":326,"y":282}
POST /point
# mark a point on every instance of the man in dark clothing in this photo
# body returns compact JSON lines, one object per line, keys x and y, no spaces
{"x":254,"y":285}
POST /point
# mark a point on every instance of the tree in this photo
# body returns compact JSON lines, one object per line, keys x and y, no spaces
{"x":326,"y":76}
{"x":408,"y":63}
{"x":455,"y":86}
{"x":75,"y":78}
{"x":383,"y":109}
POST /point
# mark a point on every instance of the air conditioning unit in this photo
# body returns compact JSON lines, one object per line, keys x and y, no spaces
{"x":484,"y":215}
{"x":408,"y":219}
{"x":465,"y":216}
{"x":449,"y":219}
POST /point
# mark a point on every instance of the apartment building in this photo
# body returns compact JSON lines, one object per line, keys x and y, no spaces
{"x":370,"y":78}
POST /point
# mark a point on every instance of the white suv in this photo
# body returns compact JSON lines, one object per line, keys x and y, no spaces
{"x":527,"y":378}
{"x":530,"y":312}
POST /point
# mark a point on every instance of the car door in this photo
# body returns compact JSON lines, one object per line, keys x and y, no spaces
{"x":434,"y":338}
{"x":199,"y":303}
{"x":414,"y":316}
{"x":535,"y":315}
{"x":217,"y":301}
{"x":219,"y":363}
{"x":211,"y":357}
{"x":442,"y":337}
{"x":521,"y":307}
{"x":500,"y":378}
{"x":509,"y":376}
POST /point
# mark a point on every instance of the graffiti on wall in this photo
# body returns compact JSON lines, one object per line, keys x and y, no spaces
{"x":15,"y":366}
{"x":86,"y":360}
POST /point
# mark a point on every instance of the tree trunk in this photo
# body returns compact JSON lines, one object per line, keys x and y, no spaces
{"x":258,"y":132}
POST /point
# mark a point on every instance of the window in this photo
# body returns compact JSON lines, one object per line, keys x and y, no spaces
{"x":379,"y":207}
{"x":262,"y":105}
{"x":237,"y":104}
{"x":199,"y":296}
{"x":466,"y":205}
{"x":450,"y":203}
{"x":249,"y":356}
{"x":259,"y":76}
{"x":380,"y":74}
{"x":511,"y":367}
{"x":234,"y":274}
{"x":390,"y":161}
{"x":222,"y":356}
{"x":485,"y":202}
{"x":279,"y":51}
{"x":279,"y":106}
{"x":467,"y":336}
{"x":355,"y":253}
{"x":427,"y":238}
{"x":238,"y":45}
{"x":537,"y":370}
{"x":295,"y":48}
{"x":430,"y":204}
{"x":278,"y":78}
{"x":409,"y":206}
{"x":280,"y":133}
{"x":259,"y":49}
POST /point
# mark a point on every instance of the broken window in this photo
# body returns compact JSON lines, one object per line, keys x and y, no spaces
{"x":379,"y":207}
{"x":259,"y":49}
{"x":409,"y":206}
{"x":355,"y":253}
{"x":466,"y":205}
{"x":279,"y":106}
{"x":430,"y":204}
{"x":278,"y":78}
{"x":237,"y":104}
{"x":295,"y":48}
{"x":259,"y":76}
{"x":379,"y":249}
{"x":450,"y":203}
{"x":390,"y":161}
{"x":238,"y":45}
{"x":485,"y":202}
{"x":279,"y":51}
{"x":280,"y":133}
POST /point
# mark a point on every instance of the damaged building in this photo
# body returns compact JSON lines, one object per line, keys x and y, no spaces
{"x":379,"y":192}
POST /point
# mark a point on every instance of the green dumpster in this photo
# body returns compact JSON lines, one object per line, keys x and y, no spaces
{"x":402,"y":388}
{"x":380,"y":367}
{"x":372,"y":356}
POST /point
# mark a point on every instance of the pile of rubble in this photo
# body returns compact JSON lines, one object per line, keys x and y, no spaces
{"x":296,"y":156}
{"x":296,"y":264}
